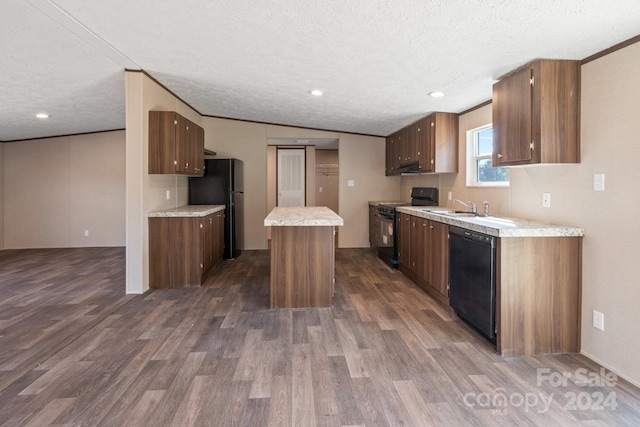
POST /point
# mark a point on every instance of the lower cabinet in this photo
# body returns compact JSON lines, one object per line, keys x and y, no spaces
{"x":182,"y":250}
{"x":423,"y":254}
{"x":373,"y":227}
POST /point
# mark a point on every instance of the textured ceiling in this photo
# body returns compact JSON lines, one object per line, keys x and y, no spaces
{"x":376,"y":60}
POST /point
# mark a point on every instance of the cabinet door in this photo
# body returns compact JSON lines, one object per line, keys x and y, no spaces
{"x":439,"y":257}
{"x":404,"y":240}
{"x":182,"y":150}
{"x":426,"y":135}
{"x":207,"y":242}
{"x":389,"y":152}
{"x":198,"y":154}
{"x":162,"y":142}
{"x":419,"y":248}
{"x":218,"y":251}
{"x":511,"y":105}
{"x":373,"y":227}
{"x":175,"y":252}
{"x":411,"y":144}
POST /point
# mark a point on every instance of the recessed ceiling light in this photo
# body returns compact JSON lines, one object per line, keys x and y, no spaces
{"x":42,"y":116}
{"x":436,"y":94}
{"x":316,"y":92}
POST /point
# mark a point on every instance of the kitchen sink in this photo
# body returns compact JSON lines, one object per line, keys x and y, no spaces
{"x":452,"y":213}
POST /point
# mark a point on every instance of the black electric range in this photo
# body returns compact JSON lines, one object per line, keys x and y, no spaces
{"x":388,"y":222}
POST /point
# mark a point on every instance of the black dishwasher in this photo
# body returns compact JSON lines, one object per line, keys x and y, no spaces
{"x":472,"y":279}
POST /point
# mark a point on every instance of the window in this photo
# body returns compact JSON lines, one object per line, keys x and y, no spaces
{"x":480,"y":172}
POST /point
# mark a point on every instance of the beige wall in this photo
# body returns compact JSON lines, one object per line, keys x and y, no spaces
{"x":1,"y":196}
{"x":610,"y":134}
{"x":146,"y":193}
{"x":56,"y":188}
{"x":248,"y":142}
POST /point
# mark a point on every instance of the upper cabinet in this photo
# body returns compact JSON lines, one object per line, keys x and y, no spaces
{"x":438,"y":143}
{"x":429,"y":145}
{"x":536,"y":114}
{"x":176,"y":145}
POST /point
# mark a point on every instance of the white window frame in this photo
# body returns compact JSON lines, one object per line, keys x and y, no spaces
{"x":472,"y":160}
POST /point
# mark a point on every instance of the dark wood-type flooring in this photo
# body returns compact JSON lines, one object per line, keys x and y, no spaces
{"x":75,"y":350}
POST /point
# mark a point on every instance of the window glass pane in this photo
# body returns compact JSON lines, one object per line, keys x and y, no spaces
{"x":485,"y":142}
{"x":486,"y":173}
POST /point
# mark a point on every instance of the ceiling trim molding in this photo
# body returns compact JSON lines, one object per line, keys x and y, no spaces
{"x":482,"y":104}
{"x":293,"y":126}
{"x":245,"y":120}
{"x":163,"y":87}
{"x":67,"y":21}
{"x":62,"y":136}
{"x":611,"y":49}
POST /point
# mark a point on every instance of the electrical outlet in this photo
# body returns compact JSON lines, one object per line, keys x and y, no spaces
{"x":450,"y":195}
{"x":86,"y":233}
{"x":168,"y":194}
{"x":598,"y":182}
{"x":351,"y":183}
{"x":546,"y":200}
{"x":598,"y":320}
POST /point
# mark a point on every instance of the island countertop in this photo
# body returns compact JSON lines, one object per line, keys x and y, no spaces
{"x":187,"y":211}
{"x":303,"y":216}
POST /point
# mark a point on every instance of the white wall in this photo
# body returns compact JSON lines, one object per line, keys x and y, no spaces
{"x":56,"y":188}
{"x":610,"y":144}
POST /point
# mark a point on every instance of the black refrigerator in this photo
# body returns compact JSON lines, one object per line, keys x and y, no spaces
{"x":222,"y":184}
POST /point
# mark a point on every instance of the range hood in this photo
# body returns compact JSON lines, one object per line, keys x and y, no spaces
{"x":411,"y":167}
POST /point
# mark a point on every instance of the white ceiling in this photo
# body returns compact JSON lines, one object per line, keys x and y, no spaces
{"x":376,"y":60}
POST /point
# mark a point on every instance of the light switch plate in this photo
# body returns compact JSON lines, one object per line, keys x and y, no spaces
{"x":598,"y":320}
{"x":598,"y":182}
{"x":351,"y":183}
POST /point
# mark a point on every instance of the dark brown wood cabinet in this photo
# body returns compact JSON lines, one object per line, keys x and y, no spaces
{"x":438,"y":143}
{"x":176,"y":145}
{"x":374,"y":225}
{"x":538,"y":299}
{"x":423,"y":254}
{"x":438,"y":244}
{"x":536,"y":114}
{"x":183,"y":250}
{"x":432,"y":142}
{"x":403,"y":234}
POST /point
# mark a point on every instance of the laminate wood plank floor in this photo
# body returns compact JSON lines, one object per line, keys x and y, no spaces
{"x":75,"y":351}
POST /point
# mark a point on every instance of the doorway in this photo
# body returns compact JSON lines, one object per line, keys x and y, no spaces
{"x":321,"y":171}
{"x":291,"y":177}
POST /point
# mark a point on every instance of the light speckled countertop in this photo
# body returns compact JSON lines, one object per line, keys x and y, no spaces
{"x":187,"y":211}
{"x":386,"y":202}
{"x":302,"y":216}
{"x":494,"y":225}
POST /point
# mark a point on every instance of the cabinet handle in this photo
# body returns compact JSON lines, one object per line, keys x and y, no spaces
{"x":431,"y":226}
{"x":201,"y":226}
{"x":499,"y":155}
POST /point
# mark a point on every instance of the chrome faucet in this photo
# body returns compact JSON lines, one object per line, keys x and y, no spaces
{"x":471,"y":205}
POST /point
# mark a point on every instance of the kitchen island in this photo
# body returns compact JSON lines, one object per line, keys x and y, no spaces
{"x":302,"y":256}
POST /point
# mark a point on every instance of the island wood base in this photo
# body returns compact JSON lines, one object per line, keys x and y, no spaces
{"x":302,"y":266}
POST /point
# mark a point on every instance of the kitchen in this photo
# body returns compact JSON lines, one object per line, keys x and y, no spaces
{"x":608,"y":136}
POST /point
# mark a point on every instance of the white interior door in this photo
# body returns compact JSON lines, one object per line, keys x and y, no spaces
{"x":291,"y":177}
